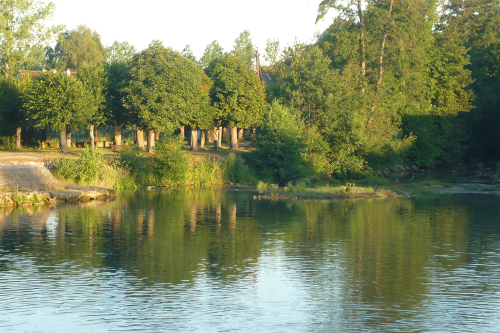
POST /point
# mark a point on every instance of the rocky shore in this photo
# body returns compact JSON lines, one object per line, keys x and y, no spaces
{"x":34,"y":185}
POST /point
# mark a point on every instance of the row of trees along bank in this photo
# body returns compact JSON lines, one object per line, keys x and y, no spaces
{"x":157,"y":90}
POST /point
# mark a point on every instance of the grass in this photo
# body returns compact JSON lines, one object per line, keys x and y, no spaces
{"x":301,"y":191}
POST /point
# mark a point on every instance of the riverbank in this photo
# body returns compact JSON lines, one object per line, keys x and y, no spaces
{"x":34,"y":185}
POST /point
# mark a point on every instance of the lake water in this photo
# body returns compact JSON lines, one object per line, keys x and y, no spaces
{"x":221,"y":261}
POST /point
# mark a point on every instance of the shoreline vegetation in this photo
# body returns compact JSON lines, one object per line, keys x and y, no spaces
{"x":96,"y":176}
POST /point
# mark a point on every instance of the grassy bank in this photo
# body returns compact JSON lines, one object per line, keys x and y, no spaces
{"x":301,"y":191}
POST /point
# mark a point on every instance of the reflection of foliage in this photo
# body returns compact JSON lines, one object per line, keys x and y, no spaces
{"x":381,"y":250}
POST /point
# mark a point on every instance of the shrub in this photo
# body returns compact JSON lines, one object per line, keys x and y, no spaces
{"x":93,"y":169}
{"x":261,"y":186}
{"x":170,"y":161}
{"x":207,"y":172}
{"x":280,"y":145}
{"x":65,"y":168}
{"x":140,"y":166}
{"x":168,"y":166}
{"x":235,"y":169}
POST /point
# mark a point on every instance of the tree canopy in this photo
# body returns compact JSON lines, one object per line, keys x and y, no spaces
{"x":244,"y":49}
{"x":164,"y":90}
{"x":59,"y":101}
{"x":237,"y":94}
{"x":212,"y":52}
{"x":75,"y":47}
{"x":23,"y":33}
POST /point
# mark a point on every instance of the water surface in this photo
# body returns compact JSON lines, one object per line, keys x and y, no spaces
{"x":220,"y":261}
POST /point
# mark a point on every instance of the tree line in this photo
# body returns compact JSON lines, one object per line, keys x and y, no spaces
{"x":396,"y":82}
{"x":389,"y":82}
{"x":156,"y":90}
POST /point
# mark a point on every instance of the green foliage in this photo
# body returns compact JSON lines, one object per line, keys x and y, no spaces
{"x":95,"y":81}
{"x":117,"y":77}
{"x":85,"y":170}
{"x":93,"y":169}
{"x":7,"y":142}
{"x":170,"y":166}
{"x":23,"y":35}
{"x":261,"y":186}
{"x":65,"y":168}
{"x":89,"y":166}
{"x":235,"y":169}
{"x":171,"y":162}
{"x":272,"y":51}
{"x":58,"y":101}
{"x":212,"y":52}
{"x":76,"y":47}
{"x":165,"y":89}
{"x":403,"y":106}
{"x":12,"y":112}
{"x":281,"y":144}
{"x":120,"y":52}
{"x":243,"y":49}
{"x":188,"y":53}
{"x":205,"y":173}
{"x":237,"y":93}
{"x":15,"y":193}
{"x":140,"y":166}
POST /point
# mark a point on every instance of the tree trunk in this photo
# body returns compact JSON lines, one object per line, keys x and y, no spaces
{"x":63,"y":143}
{"x":203,"y":138}
{"x":380,"y":69}
{"x":210,"y":136}
{"x":43,"y":140}
{"x":234,"y":139}
{"x":240,"y":134}
{"x":151,"y":141}
{"x":216,"y":138}
{"x":194,"y":139}
{"x":117,"y":134}
{"x":252,"y":133}
{"x":157,"y":136}
{"x":92,"y":138}
{"x":140,"y":138}
{"x":182,"y":133}
{"x":18,"y":138}
{"x":68,"y":138}
{"x":362,"y":45}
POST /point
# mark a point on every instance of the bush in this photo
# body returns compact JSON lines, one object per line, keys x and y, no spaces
{"x":65,"y":168}
{"x":170,"y":161}
{"x":236,"y":171}
{"x":280,"y":145}
{"x":207,"y":172}
{"x":168,"y":166}
{"x":92,"y":169}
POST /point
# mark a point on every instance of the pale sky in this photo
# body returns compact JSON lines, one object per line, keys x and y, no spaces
{"x":195,"y":22}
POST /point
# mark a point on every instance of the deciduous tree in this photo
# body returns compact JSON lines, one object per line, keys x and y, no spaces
{"x":164,"y":87}
{"x":212,"y":52}
{"x":237,"y":94}
{"x":76,"y":47}
{"x":59,"y":101}
{"x":23,"y":33}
